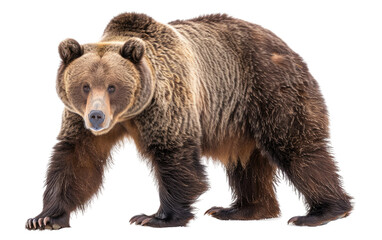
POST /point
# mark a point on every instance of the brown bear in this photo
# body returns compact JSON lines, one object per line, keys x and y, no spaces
{"x":213,"y":86}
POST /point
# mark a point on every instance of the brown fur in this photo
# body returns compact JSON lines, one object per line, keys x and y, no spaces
{"x":214,"y":86}
{"x":232,"y":150}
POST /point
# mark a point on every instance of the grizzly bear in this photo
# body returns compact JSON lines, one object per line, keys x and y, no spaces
{"x":213,"y":86}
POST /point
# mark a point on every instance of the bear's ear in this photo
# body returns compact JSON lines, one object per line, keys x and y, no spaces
{"x":69,"y":50}
{"x":133,"y":50}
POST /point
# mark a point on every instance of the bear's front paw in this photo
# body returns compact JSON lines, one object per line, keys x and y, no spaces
{"x":153,"y":221}
{"x":51,"y":223}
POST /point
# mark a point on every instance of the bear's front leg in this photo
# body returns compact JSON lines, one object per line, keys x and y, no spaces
{"x":181,"y":180}
{"x":75,"y":172}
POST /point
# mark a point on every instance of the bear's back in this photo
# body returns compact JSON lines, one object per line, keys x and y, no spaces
{"x":135,"y":25}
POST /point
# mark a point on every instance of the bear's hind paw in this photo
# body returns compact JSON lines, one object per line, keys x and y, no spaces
{"x":249,"y":212}
{"x":313,"y":221}
{"x":156,"y":222}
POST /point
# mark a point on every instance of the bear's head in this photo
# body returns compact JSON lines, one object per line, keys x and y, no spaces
{"x":106,"y":82}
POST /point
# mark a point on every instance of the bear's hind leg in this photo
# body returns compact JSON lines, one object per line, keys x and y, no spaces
{"x":314,"y":174}
{"x":253,"y":190}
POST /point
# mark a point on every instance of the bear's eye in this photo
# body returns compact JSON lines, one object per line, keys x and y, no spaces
{"x":86,"y":88}
{"x":111,"y":89}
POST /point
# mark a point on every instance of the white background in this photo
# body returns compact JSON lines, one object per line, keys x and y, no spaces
{"x":340,"y":41}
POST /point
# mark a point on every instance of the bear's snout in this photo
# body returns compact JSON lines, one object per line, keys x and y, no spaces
{"x":96,"y":118}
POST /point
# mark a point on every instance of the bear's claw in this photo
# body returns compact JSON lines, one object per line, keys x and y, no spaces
{"x":213,"y":210}
{"x":140,"y":219}
{"x":41,"y":224}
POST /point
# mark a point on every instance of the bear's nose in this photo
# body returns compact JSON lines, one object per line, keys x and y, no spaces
{"x":96,"y":118}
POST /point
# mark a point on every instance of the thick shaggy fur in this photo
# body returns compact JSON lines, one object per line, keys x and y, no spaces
{"x":212,"y":86}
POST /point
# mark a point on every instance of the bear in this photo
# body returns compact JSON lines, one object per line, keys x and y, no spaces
{"x":214,"y":86}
